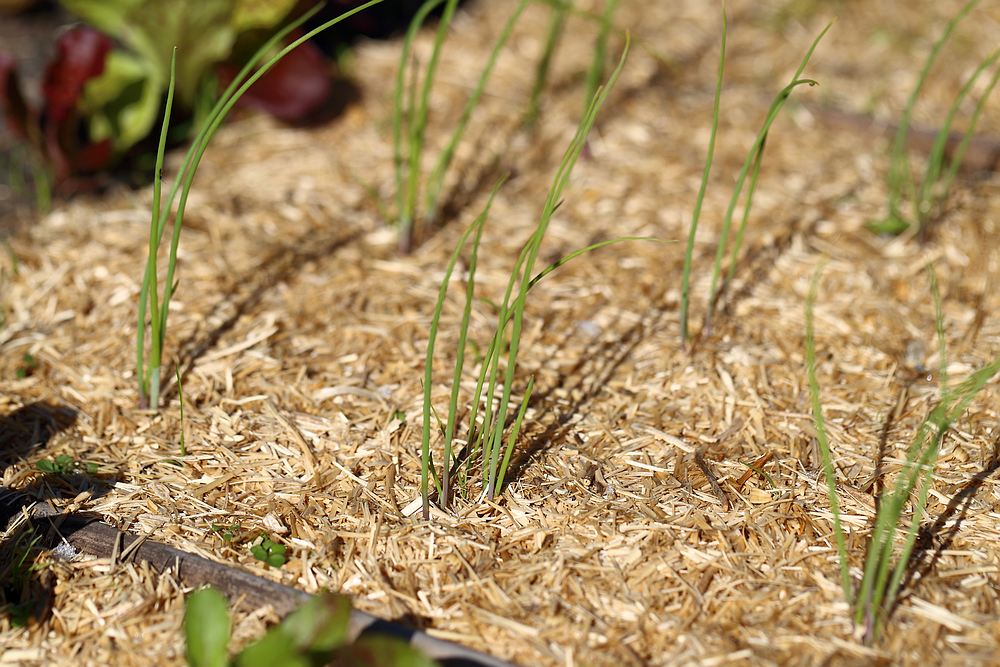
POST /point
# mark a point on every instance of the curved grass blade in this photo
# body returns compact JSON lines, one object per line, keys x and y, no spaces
{"x":670,"y":64}
{"x":752,"y":155}
{"x":959,"y":155}
{"x":747,"y":205}
{"x":552,"y":38}
{"x":512,"y":436}
{"x":596,"y":70}
{"x":400,"y":108}
{"x":436,"y":179}
{"x":186,"y":178}
{"x":823,"y":439}
{"x":161,"y":213}
{"x":962,"y":397}
{"x":874,"y":597}
{"x":559,"y":183}
{"x":425,"y":453}
{"x":151,"y":389}
{"x":463,"y":334}
{"x":924,"y":201}
{"x":209,"y":132}
{"x":928,"y":461}
{"x":492,"y":418}
{"x":490,"y":360}
{"x":565,"y":259}
{"x":756,"y":150}
{"x":879,"y":553}
{"x":418,"y":127}
{"x":696,"y":214}
{"x":230,"y":90}
{"x":878,"y":592}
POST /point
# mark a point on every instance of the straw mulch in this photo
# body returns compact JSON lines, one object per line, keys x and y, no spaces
{"x":301,"y":333}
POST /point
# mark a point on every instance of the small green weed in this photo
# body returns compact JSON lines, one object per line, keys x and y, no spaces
{"x":29,"y":364}
{"x":65,"y":464}
{"x":315,"y":634}
{"x":596,"y":71}
{"x":268,"y":551}
{"x":228,"y":532}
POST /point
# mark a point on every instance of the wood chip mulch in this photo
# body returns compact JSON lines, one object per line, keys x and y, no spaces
{"x":632,"y":533}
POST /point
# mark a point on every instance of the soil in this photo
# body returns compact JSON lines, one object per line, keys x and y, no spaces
{"x":629,"y":532}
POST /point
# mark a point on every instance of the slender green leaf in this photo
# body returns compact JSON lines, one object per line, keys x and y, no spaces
{"x":881,"y":580}
{"x":945,"y":181}
{"x":935,"y":161}
{"x":552,"y":38}
{"x":463,"y":334}
{"x":900,"y":178}
{"x":512,"y":436}
{"x":436,"y":179}
{"x":747,"y":205}
{"x":823,"y":439}
{"x":418,"y":128}
{"x":425,"y":456}
{"x":149,"y":379}
{"x":709,"y":155}
{"x":150,"y":387}
{"x":533,"y":245}
{"x":752,"y":155}
{"x":401,"y":110}
{"x":596,"y":70}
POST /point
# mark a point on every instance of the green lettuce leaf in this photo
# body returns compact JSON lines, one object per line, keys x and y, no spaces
{"x":123,"y":102}
{"x":202,"y":30}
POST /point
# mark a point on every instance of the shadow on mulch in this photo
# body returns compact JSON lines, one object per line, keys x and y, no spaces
{"x":26,"y":590}
{"x":594,"y":369}
{"x":246,"y":293}
{"x":934,"y":539}
{"x":925,"y":554}
{"x":480,"y":175}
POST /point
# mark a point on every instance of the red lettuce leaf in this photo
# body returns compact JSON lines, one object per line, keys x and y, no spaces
{"x":293,"y":89}
{"x":80,"y":56}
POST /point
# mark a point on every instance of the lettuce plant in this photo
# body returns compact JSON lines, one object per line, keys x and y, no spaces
{"x":51,"y":129}
{"x":315,"y":634}
{"x":101,"y":102}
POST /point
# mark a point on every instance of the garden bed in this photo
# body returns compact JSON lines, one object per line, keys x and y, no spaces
{"x":628,"y":534}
